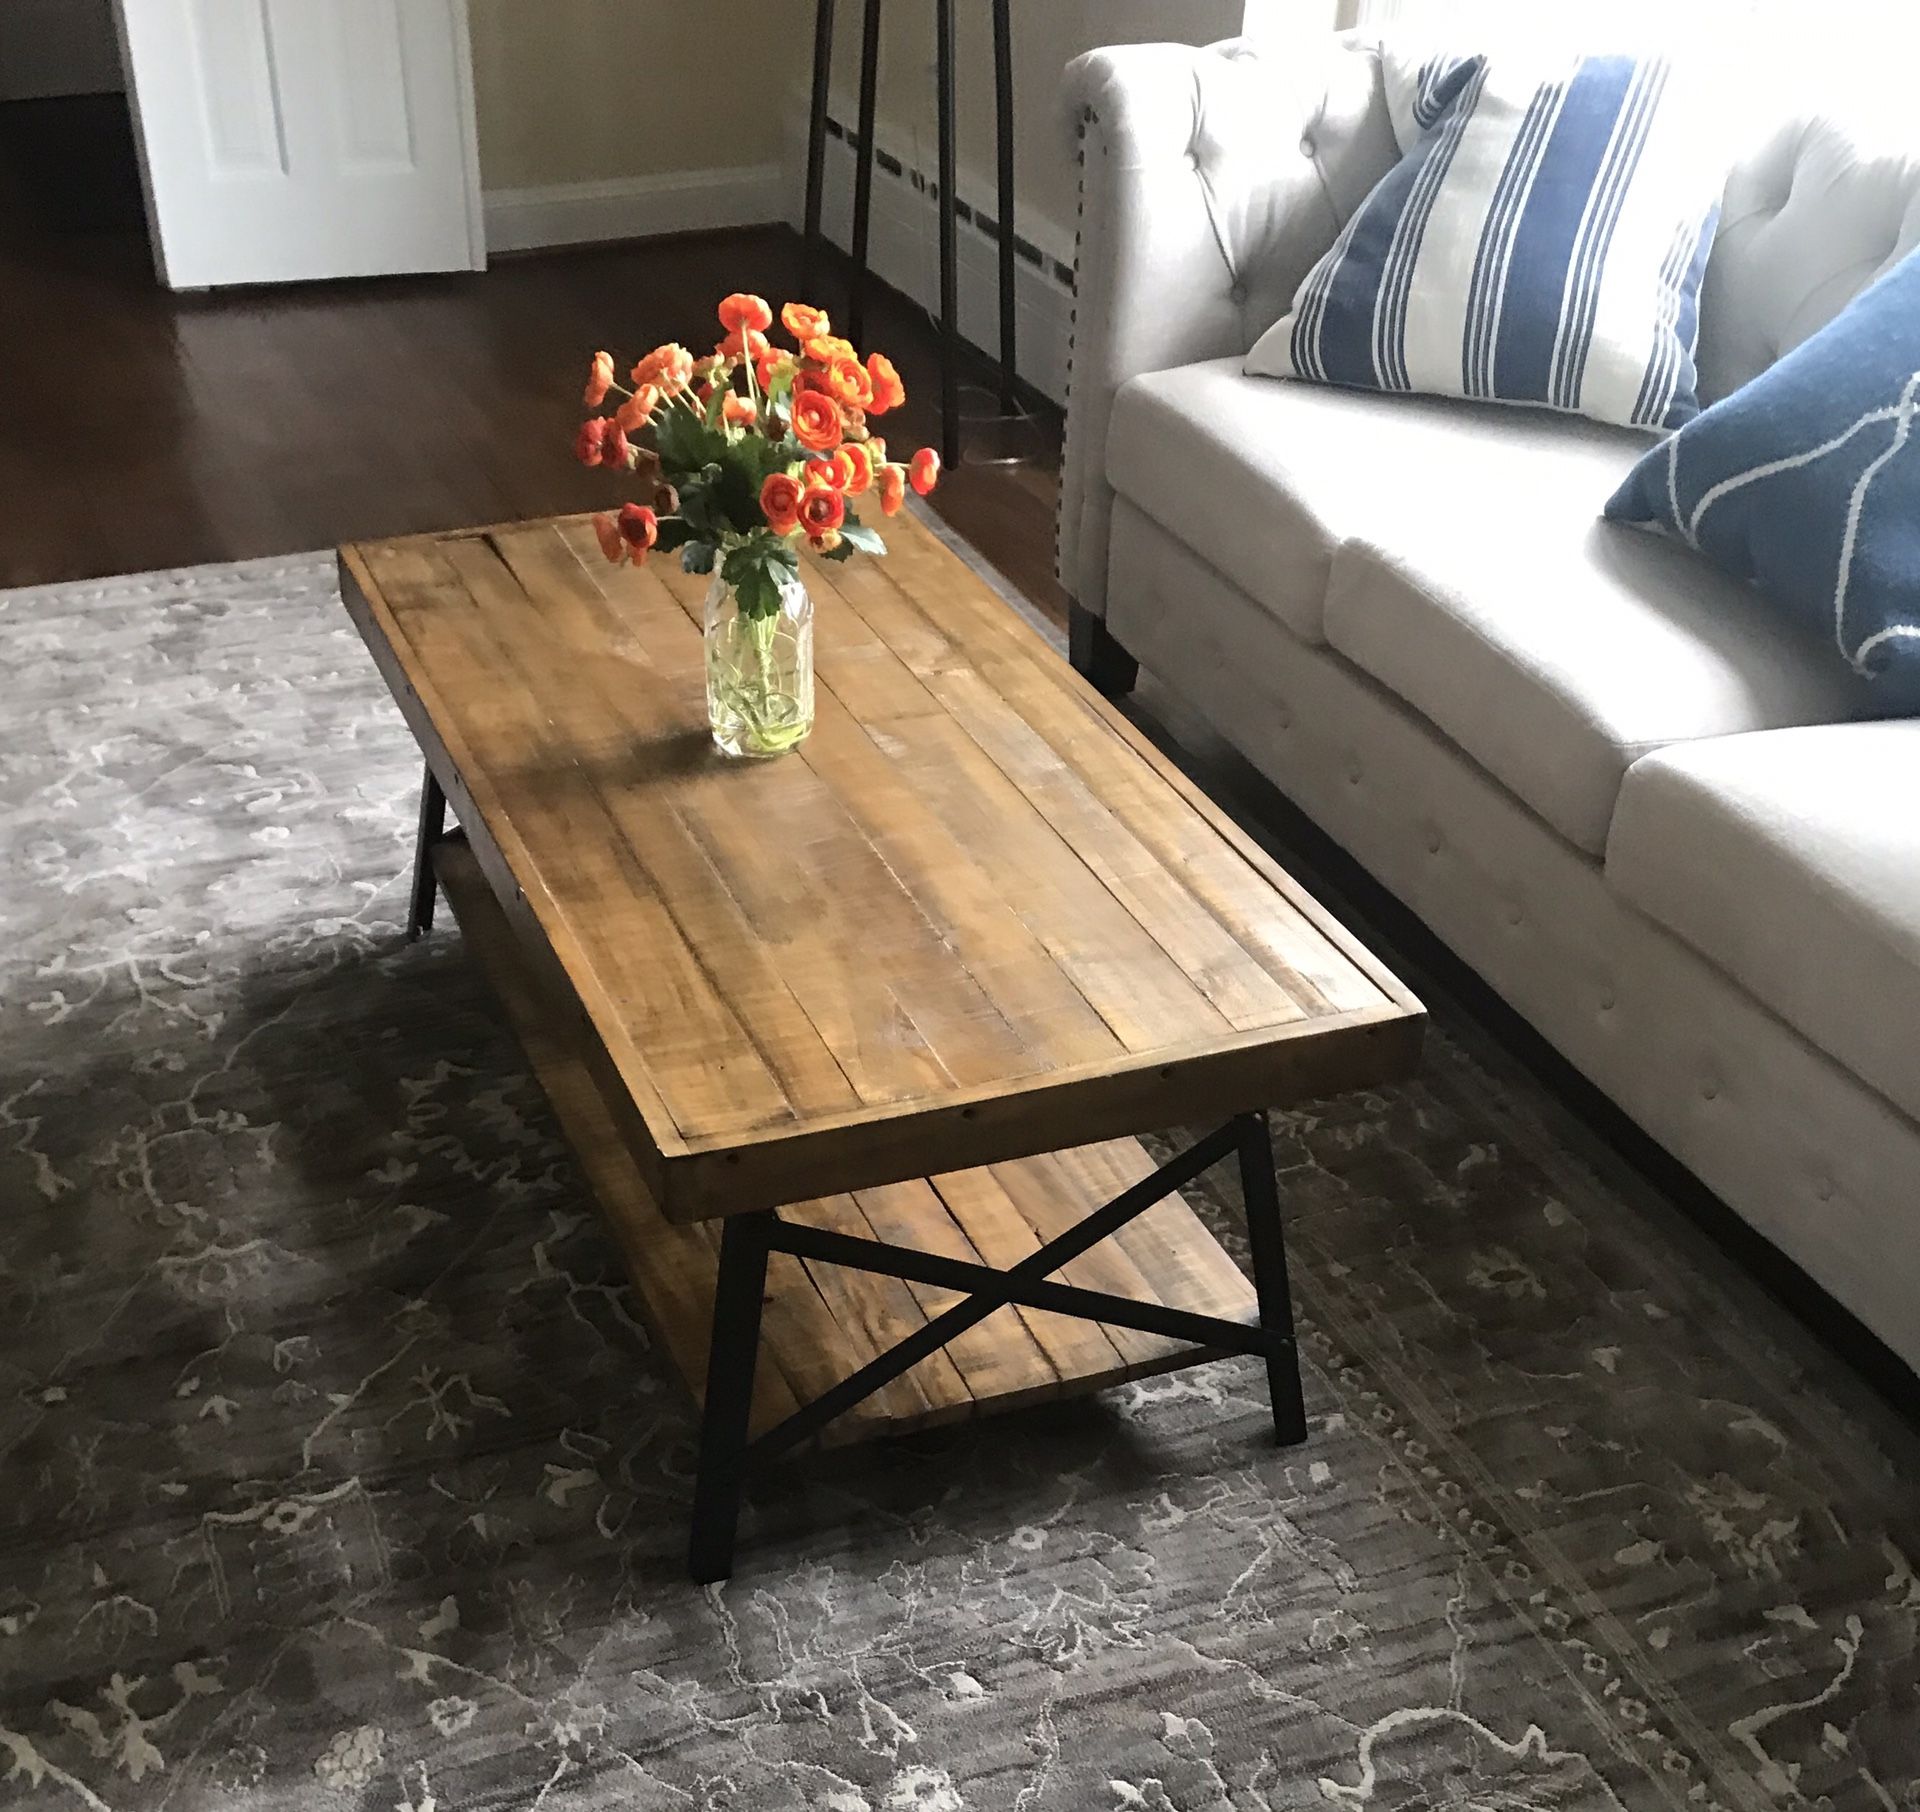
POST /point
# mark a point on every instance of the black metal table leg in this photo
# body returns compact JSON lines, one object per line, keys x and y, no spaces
{"x":433,"y":826}
{"x":1009,"y":295}
{"x":817,"y":147}
{"x":949,"y":241}
{"x":863,"y":170}
{"x":1268,"y":1242}
{"x":732,"y":1354}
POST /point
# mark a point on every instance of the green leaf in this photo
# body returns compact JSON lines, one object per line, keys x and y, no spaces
{"x":856,"y":535}
{"x":758,"y":592}
{"x":685,"y":443}
{"x":697,"y":508}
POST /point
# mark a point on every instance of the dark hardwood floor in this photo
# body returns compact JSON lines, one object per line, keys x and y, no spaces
{"x":141,"y":429}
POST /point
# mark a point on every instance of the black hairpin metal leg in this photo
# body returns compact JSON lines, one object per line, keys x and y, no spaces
{"x":733,"y":1353}
{"x":949,"y":241}
{"x":433,"y":826}
{"x":863,"y":170}
{"x":817,"y":146}
{"x":1009,"y":295}
{"x":1268,"y":1243}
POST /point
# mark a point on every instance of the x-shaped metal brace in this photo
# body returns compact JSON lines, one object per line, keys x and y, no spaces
{"x":727,"y":1456}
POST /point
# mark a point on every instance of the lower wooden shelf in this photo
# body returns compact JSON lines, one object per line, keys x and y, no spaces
{"x":821,"y":1321}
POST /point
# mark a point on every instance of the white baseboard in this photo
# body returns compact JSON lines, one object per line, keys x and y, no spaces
{"x":905,"y":253}
{"x":635,"y":207}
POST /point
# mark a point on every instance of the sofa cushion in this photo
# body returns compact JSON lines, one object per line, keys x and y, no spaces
{"x":1264,"y":479}
{"x":1791,"y":860}
{"x":1557,"y":652}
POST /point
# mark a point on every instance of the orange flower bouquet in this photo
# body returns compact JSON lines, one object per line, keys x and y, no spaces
{"x":750,"y":455}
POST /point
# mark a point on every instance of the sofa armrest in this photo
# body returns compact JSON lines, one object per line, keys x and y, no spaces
{"x":1211,"y":181}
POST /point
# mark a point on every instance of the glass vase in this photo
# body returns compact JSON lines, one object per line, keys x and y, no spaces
{"x":759,"y":672}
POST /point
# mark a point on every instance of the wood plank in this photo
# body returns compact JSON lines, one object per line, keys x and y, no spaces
{"x":1249,"y":1071}
{"x":672,"y":1268}
{"x":875,"y":1313}
{"x":1226,"y":870}
{"x":959,"y":894}
{"x":1050,"y":1195}
{"x":761,"y":941}
{"x":979,"y":1204}
{"x":831,"y":873}
{"x":632,"y":951}
{"x":822,"y":1322}
{"x":999,"y":1358}
{"x":1157,"y":894}
{"x":1140,"y":991}
{"x":1186,"y":1273}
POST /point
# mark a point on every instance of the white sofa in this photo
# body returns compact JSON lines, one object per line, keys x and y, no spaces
{"x":1660,"y":825}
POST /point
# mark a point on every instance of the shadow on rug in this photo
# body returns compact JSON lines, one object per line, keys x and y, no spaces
{"x":338,"y":1471}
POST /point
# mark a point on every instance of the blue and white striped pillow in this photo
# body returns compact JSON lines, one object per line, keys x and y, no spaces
{"x":1542,"y":241}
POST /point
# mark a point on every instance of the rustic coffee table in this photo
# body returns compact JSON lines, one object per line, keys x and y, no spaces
{"x":853,"y":1044}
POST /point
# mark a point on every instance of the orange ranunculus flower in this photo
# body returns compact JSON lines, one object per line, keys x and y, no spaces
{"x":599,"y":380}
{"x":780,"y":502}
{"x":743,"y":343}
{"x":816,"y":421}
{"x":772,"y":365}
{"x":804,"y":322}
{"x":739,"y":411}
{"x":860,"y":469}
{"x":823,"y":512}
{"x":828,"y":350}
{"x":639,"y":528}
{"x":745,"y":313}
{"x":808,"y":379}
{"x":925,"y":471}
{"x":615,"y":448}
{"x":888,"y":391}
{"x":892,"y":483}
{"x":612,"y":543}
{"x":851,"y":383}
{"x":590,"y":444}
{"x":670,"y":367}
{"x":826,"y":474}
{"x":637,"y":411}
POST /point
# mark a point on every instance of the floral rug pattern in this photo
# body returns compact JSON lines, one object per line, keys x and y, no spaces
{"x":338,"y":1472}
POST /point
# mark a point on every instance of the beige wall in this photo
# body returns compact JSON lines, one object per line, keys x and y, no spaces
{"x":1048,"y":34}
{"x":592,"y":90}
{"x":573,"y":91}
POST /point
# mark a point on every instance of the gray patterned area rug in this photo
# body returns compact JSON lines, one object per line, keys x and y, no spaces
{"x":336,"y":1472}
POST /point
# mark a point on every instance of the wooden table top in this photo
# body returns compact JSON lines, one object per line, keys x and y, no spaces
{"x":974,"y":917}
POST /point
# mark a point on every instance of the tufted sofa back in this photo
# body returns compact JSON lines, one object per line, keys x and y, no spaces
{"x":1821,"y":207}
{"x":1821,"y":203}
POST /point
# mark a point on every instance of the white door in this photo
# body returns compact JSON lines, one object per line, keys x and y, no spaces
{"x":291,"y":139}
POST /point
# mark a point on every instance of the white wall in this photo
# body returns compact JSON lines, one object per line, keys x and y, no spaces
{"x":50,"y":47}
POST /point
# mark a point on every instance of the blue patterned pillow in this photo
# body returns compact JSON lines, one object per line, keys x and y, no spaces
{"x":1807,"y":483}
{"x":1542,"y":241}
